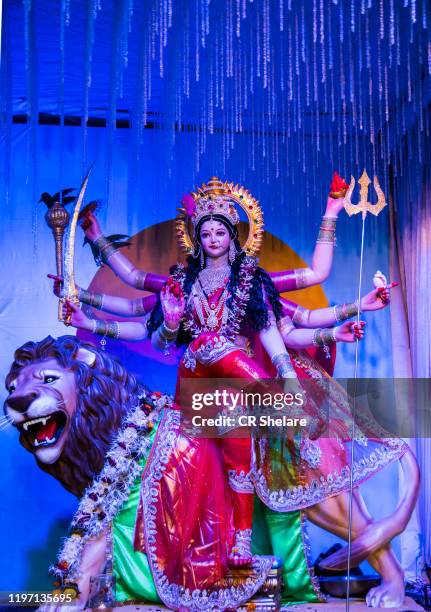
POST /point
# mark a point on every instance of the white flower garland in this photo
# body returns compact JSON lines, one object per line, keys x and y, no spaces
{"x":109,"y":491}
{"x":238,"y":306}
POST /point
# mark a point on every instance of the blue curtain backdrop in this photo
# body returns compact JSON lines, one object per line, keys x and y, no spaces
{"x":29,"y":309}
{"x":161,"y":96}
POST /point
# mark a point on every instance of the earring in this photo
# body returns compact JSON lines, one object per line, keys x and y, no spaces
{"x":232,"y":252}
{"x":202,"y":257}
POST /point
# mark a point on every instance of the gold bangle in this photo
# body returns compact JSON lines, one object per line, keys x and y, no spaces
{"x":317,"y":338}
{"x":99,"y":327}
{"x":168,"y":334}
{"x":106,"y":248}
{"x":328,"y":223}
{"x":106,"y":328}
{"x":92,"y":299}
{"x":328,"y":336}
{"x":327,"y":231}
{"x":162,"y":341}
{"x":299,"y":315}
{"x":283,"y":365}
{"x":286,"y":326}
{"x":342,"y":312}
{"x":324,"y":337}
{"x":138,"y":308}
{"x":140,"y":279}
{"x":301,"y":275}
{"x":326,"y":236}
{"x":112,"y":330}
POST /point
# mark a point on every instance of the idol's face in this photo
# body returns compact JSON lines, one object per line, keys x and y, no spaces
{"x":215,"y":238}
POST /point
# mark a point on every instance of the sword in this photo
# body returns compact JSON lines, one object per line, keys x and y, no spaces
{"x":70,"y":291}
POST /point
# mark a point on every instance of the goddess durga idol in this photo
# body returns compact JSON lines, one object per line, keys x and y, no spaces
{"x":227,"y":313}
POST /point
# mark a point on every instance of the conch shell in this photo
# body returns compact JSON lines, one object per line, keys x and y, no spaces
{"x":379,"y":280}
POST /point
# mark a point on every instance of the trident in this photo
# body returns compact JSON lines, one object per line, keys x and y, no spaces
{"x":364,"y":207}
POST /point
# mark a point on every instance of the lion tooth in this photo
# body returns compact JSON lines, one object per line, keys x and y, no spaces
{"x":42,"y":420}
{"x":44,"y":442}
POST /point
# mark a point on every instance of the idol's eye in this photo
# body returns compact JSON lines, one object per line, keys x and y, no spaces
{"x":11,"y":388}
{"x":50,"y":378}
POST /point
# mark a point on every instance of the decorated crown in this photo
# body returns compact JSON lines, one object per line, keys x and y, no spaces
{"x":218,"y":198}
{"x":220,"y":205}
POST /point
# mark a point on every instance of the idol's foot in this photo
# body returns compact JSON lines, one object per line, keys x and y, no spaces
{"x":240,"y":554}
{"x":238,"y":559}
{"x":389,"y":594}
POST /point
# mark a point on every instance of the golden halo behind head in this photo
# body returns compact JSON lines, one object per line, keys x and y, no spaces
{"x":239,"y":196}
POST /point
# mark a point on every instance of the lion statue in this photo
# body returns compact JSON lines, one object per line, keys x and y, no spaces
{"x":69,"y":400}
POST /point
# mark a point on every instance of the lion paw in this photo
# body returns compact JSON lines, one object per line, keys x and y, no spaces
{"x":387,"y":595}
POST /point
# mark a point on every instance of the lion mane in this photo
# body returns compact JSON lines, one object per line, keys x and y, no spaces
{"x":106,"y":393}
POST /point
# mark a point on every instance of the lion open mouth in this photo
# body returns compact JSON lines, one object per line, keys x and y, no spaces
{"x":45,"y":430}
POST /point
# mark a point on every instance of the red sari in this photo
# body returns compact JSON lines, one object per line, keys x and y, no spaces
{"x":194,"y":490}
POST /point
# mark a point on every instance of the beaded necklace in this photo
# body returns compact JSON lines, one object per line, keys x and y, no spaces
{"x":209,"y":313}
{"x":235,"y":314}
{"x":213,"y":278}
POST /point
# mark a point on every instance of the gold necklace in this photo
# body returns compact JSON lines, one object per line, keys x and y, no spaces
{"x":214,"y":278}
{"x":210,"y":318}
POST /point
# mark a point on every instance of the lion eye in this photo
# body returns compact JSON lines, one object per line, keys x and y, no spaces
{"x":50,"y":378}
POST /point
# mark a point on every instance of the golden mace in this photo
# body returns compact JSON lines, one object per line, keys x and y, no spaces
{"x":57,"y":219}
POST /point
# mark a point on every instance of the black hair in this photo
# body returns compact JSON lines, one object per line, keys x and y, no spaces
{"x":261,"y":286}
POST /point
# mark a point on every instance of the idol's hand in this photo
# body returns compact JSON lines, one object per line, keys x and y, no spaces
{"x":333,"y":207}
{"x":91,"y":226}
{"x":349,"y":331}
{"x":58,"y":284}
{"x":73,"y":313}
{"x":172,"y":300}
{"x":337,"y":191}
{"x":377,"y":298}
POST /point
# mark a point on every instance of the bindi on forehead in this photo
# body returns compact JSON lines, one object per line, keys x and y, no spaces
{"x":212,"y":226}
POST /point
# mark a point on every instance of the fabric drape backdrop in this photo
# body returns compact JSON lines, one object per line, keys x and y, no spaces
{"x":28,"y":309}
{"x":273,"y":97}
{"x":410,"y":262}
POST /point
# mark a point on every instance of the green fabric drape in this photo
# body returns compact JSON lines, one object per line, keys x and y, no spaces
{"x":282,"y":534}
{"x":131,"y":568}
{"x":279,"y":534}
